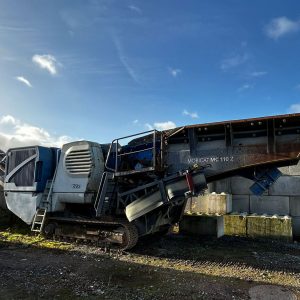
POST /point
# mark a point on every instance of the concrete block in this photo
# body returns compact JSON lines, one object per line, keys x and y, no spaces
{"x":222,"y":186}
{"x":279,"y":228}
{"x":296,"y":226}
{"x":210,"y":204}
{"x":295,"y":206}
{"x":210,"y":187}
{"x":219,"y":203}
{"x":240,"y":185}
{"x":274,"y":227}
{"x":235,"y":224}
{"x":286,"y":186}
{"x":285,"y":170}
{"x":269,"y":205}
{"x":241,"y":203}
{"x":256,"y":226}
{"x":294,"y":170}
{"x":202,"y":225}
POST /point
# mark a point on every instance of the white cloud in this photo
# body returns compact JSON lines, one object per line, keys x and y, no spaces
{"x":234,"y":61}
{"x":294,"y":108}
{"x":258,"y":73}
{"x":15,"y":133}
{"x":174,"y":72}
{"x":164,"y":125}
{"x":281,"y":26}
{"x":47,"y":62}
{"x":8,"y":119}
{"x":135,"y":121}
{"x":161,"y":125}
{"x":193,"y":115}
{"x":24,"y":80}
{"x":135,"y":9}
{"x":245,"y":87}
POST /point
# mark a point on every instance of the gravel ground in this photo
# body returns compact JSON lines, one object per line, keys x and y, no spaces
{"x":168,"y":268}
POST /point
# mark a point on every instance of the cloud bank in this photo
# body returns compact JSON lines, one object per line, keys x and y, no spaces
{"x":14,"y":133}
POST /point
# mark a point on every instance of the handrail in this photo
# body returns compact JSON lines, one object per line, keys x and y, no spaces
{"x":115,"y":144}
{"x":137,"y":151}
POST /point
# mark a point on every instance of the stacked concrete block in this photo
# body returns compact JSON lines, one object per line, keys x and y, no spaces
{"x":293,"y":170}
{"x":235,"y":224}
{"x":210,"y":204}
{"x":202,"y":225}
{"x":240,"y":185}
{"x":269,"y":205}
{"x":286,"y":186}
{"x":284,"y":170}
{"x":279,"y":227}
{"x":219,"y":203}
{"x":203,"y":214}
{"x":241,"y":203}
{"x":221,"y":186}
{"x":274,"y":227}
{"x":283,"y":198}
{"x":295,"y":206}
{"x":256,"y":226}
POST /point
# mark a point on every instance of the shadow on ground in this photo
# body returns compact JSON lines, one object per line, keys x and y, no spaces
{"x":263,"y":254}
{"x":168,"y":268}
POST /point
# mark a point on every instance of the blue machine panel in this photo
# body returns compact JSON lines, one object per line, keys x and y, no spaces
{"x":29,"y":168}
{"x":263,"y":180}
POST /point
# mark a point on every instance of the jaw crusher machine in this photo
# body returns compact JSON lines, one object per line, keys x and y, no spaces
{"x":114,"y":194}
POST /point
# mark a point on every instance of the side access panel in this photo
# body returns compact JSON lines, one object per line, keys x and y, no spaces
{"x":27,"y":171}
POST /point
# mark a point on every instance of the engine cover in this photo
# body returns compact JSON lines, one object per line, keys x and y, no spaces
{"x":78,"y":174}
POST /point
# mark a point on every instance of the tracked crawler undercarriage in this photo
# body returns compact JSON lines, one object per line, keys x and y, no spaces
{"x":117,"y":234}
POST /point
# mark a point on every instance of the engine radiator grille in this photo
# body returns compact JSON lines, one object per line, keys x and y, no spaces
{"x":79,"y":161}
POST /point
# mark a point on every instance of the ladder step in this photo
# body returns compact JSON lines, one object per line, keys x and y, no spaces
{"x":39,"y":220}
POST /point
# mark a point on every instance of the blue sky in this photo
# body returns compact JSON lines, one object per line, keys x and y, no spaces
{"x":104,"y":69}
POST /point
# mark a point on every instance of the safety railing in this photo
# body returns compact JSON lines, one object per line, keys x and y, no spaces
{"x":141,"y":154}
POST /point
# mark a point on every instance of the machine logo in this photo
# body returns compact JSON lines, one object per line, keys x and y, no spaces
{"x":76,"y":186}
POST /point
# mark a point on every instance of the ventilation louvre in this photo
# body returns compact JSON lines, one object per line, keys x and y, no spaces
{"x":79,"y":161}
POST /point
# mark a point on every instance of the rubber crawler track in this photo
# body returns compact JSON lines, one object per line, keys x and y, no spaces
{"x":130,"y":231}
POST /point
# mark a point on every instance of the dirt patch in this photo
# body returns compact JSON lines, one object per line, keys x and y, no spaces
{"x":168,"y":268}
{"x":270,"y":292}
